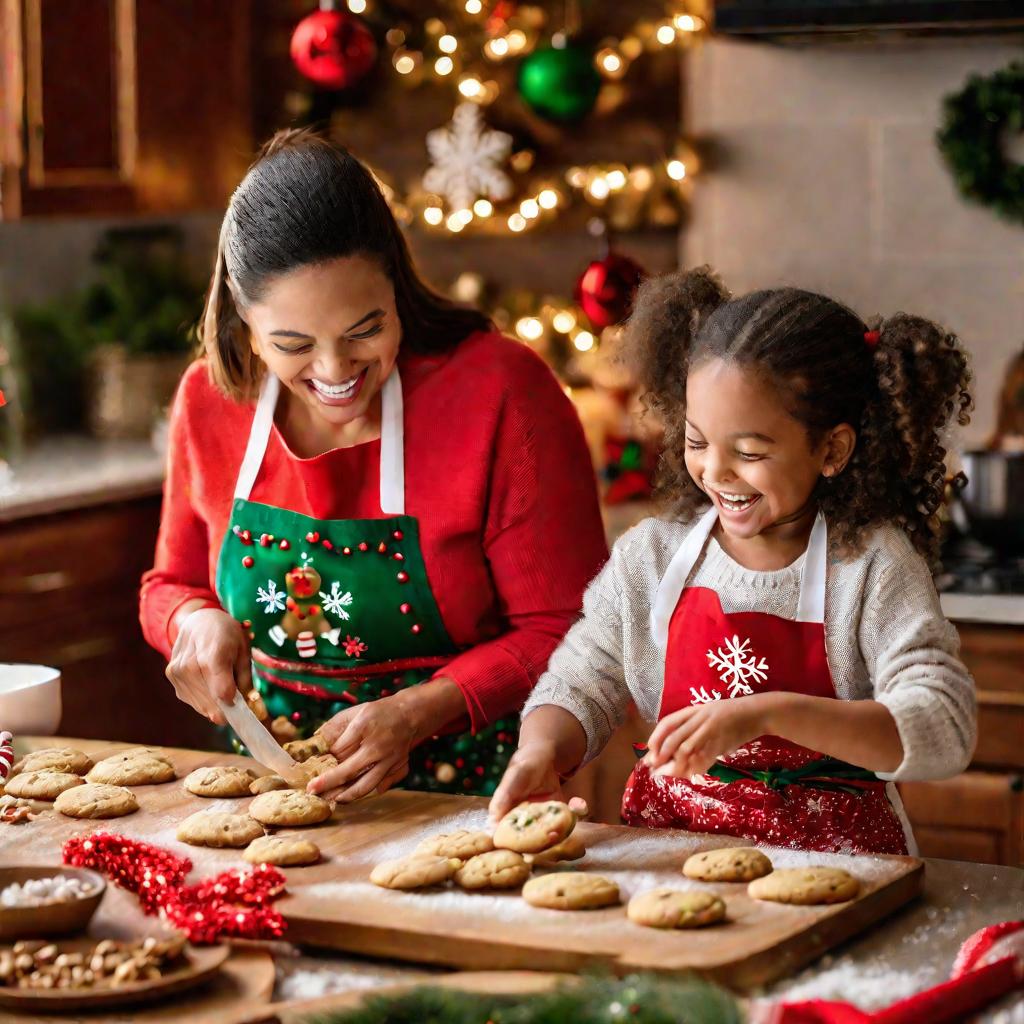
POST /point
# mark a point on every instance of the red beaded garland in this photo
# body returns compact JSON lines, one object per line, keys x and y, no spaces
{"x":382,"y":547}
{"x":398,"y":556}
{"x":284,"y":545}
{"x":266,"y":539}
{"x":245,"y":537}
{"x":398,"y":535}
{"x":248,"y":561}
{"x":247,"y":623}
{"x":363,"y":546}
{"x":313,"y":536}
{"x":402,"y":577}
{"x":416,"y":628}
{"x":327,"y":544}
{"x":346,"y":551}
{"x":234,"y":903}
{"x":405,"y":608}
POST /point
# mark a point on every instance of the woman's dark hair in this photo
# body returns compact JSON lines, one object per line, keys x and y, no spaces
{"x":306,"y":201}
{"x":899,"y":386}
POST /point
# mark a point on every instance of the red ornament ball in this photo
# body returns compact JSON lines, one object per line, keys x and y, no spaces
{"x":248,"y":561}
{"x":333,"y":49}
{"x":605,"y":290}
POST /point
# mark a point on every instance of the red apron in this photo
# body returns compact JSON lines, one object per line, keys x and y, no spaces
{"x":769,"y":791}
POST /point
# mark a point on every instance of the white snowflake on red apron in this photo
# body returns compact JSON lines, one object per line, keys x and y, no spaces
{"x":272,"y":598}
{"x":738,"y":666}
{"x":336,"y":602}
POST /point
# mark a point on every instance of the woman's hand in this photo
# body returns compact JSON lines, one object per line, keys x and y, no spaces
{"x":689,"y":741}
{"x":372,"y":741}
{"x":210,"y":659}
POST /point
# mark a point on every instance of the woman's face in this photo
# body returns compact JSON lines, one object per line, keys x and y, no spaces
{"x":331,"y":333}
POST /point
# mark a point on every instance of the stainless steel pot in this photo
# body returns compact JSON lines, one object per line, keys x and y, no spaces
{"x":993,"y":499}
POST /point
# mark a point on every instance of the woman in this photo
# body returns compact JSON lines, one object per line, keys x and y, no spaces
{"x":368,"y":489}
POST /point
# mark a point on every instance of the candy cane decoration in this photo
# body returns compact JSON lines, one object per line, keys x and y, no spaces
{"x":6,"y":754}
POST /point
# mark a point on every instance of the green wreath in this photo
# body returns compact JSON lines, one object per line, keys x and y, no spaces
{"x":975,"y":123}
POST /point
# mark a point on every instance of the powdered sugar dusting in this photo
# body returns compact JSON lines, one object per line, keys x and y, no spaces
{"x":474,"y":820}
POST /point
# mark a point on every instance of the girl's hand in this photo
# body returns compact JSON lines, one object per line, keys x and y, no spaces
{"x":210,"y":659}
{"x":689,"y":741}
{"x":531,"y":775}
{"x":372,"y":742}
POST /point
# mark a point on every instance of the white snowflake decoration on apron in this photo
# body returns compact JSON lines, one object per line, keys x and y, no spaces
{"x":467,"y":159}
{"x":738,"y":666}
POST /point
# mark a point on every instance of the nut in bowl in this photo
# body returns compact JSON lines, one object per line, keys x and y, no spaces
{"x":29,"y":699}
{"x":38,"y":901}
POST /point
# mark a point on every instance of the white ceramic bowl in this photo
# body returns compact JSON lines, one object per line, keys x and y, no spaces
{"x":29,"y":699}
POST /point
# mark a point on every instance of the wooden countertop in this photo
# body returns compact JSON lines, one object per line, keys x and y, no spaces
{"x":909,"y":951}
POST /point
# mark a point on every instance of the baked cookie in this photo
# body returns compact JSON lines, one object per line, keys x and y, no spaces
{"x":317,"y":765}
{"x":288,"y":807}
{"x":56,"y":759}
{"x":284,"y":851}
{"x":570,"y":890}
{"x":805,"y":886}
{"x":219,"y":829}
{"x":95,"y":800}
{"x":42,"y":785}
{"x":220,"y":780}
{"x":675,"y":908}
{"x":496,"y":869}
{"x":138,"y":766}
{"x":532,"y":827}
{"x":462,"y":844}
{"x":303,"y":750}
{"x":416,"y":872}
{"x":570,"y":848}
{"x":728,"y":864}
{"x":267,"y":784}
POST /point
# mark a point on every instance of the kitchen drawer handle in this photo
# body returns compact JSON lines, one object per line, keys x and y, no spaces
{"x":84,"y":649}
{"x":38,"y":583}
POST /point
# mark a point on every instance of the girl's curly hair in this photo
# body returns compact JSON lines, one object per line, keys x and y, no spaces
{"x":899,"y":389}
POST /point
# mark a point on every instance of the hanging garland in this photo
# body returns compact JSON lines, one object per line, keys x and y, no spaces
{"x":975,"y":124}
{"x":633,"y":1000}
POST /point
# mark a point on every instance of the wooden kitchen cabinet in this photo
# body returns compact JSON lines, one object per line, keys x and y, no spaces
{"x":69,"y":598}
{"x":123,"y":106}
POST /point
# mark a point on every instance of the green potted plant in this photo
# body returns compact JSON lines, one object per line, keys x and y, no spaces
{"x":110,"y":355}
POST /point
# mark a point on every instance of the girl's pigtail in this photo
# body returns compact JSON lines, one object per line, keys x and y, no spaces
{"x":922,"y":379}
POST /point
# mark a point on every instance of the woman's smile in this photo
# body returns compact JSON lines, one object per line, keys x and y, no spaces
{"x":342,"y":393}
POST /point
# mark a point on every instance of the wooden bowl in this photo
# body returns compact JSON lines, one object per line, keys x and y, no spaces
{"x":198,"y":965}
{"x":49,"y":918}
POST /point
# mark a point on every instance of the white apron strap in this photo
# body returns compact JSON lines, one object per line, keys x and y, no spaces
{"x":259,"y":435}
{"x":392,"y":443}
{"x":676,"y":575}
{"x":810,"y":604}
{"x":392,"y":447}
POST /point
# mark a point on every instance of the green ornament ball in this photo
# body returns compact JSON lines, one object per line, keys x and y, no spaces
{"x":560,"y":84}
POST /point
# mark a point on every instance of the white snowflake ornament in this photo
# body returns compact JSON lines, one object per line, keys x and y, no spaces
{"x":467,"y":158}
{"x":272,"y":599}
{"x":336,"y":602}
{"x":738,"y":666}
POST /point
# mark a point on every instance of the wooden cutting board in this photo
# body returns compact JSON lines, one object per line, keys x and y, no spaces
{"x":333,"y":904}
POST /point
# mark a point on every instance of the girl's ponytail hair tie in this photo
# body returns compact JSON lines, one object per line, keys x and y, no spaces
{"x":871,"y":338}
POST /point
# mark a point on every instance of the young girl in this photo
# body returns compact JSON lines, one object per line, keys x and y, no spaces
{"x":780,"y":623}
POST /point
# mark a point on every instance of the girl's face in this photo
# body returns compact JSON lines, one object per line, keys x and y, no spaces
{"x":331,"y":333}
{"x":749,"y":455}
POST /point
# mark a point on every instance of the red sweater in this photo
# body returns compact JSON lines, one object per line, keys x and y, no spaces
{"x":496,"y":471}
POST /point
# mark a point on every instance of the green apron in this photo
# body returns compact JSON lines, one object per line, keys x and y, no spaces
{"x":340,"y":611}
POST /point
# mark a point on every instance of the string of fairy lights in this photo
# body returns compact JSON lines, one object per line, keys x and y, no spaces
{"x":463,"y":47}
